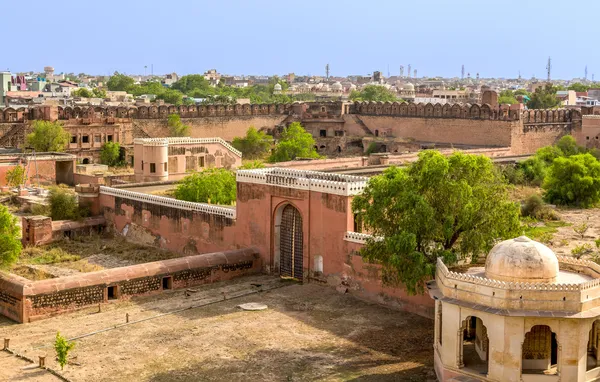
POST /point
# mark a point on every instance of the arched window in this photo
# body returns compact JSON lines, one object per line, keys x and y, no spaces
{"x":540,"y":351}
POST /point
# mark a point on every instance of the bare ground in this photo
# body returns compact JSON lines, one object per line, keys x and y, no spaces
{"x":309,"y":333}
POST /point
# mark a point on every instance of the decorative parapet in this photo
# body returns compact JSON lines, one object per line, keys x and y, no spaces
{"x":328,"y":183}
{"x":357,"y":237}
{"x":168,"y":202}
{"x":185,"y":141}
{"x":443,"y":270}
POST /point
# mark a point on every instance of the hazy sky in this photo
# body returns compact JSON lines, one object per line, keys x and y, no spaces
{"x":494,"y":38}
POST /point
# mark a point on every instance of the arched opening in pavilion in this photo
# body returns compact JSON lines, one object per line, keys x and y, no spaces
{"x":540,"y":351}
{"x":475,"y":346}
{"x":593,"y":348}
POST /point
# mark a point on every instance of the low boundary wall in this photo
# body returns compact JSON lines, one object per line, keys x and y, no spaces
{"x":23,"y":300}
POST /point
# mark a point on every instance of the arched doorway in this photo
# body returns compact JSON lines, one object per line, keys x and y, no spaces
{"x":475,"y":345}
{"x":291,"y":244}
{"x":85,"y":161}
{"x":540,"y":351}
{"x":593,"y":354}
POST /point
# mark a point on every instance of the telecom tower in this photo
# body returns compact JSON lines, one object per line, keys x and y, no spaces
{"x":477,"y":76}
{"x":585,"y":74}
{"x":415,"y":72}
{"x":408,"y":70}
{"x":401,"y":70}
{"x":462,"y":72}
{"x":549,"y":68}
{"x":327,"y":72}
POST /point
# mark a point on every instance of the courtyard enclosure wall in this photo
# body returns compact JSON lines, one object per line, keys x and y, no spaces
{"x":26,"y":300}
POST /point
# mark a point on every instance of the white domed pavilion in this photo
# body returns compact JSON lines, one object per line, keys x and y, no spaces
{"x":528,"y":315}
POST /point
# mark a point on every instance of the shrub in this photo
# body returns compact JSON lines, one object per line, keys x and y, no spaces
{"x":295,"y":143}
{"x":255,"y":144}
{"x":110,"y":154}
{"x":48,"y":136}
{"x":581,"y":229}
{"x":513,"y":174}
{"x":64,"y":205}
{"x":40,"y":209}
{"x":62,"y":347}
{"x":252,"y":164}
{"x":215,"y":185}
{"x":573,"y":181}
{"x":581,"y":250}
{"x":534,"y":207}
{"x":10,"y":243}
{"x":16,"y":176}
{"x":372,"y":148}
{"x":176,"y":127}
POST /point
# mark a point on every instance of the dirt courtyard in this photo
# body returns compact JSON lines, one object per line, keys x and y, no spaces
{"x":308,"y":333}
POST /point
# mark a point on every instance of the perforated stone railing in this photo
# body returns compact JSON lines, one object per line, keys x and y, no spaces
{"x":305,"y":180}
{"x":185,"y":141}
{"x":168,"y":202}
{"x":357,"y":237}
{"x":443,"y":270}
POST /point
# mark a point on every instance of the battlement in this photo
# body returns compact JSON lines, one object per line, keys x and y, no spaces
{"x":305,"y":180}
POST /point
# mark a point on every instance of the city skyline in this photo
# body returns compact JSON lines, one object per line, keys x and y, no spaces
{"x":265,"y":38}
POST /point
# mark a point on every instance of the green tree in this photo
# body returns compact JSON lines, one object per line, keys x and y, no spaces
{"x":16,"y":176}
{"x":374,"y":93}
{"x":110,"y":154}
{"x":99,"y":93}
{"x":573,"y":180}
{"x":255,"y":144}
{"x":48,"y":136}
{"x":176,"y":127}
{"x":507,"y":97}
{"x":252,"y":165}
{"x":10,"y":238}
{"x":64,"y":205}
{"x":62,"y":348}
{"x":120,"y":82}
{"x":191,"y":82}
{"x":215,"y":185}
{"x":82,"y":92}
{"x":578,"y":87}
{"x":170,"y":96}
{"x":295,"y":142}
{"x":544,"y":98}
{"x":453,"y":207}
{"x":522,"y":92}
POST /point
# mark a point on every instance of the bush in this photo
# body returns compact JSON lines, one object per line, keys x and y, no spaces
{"x":573,"y":180}
{"x":62,"y":348}
{"x":295,"y":143}
{"x":110,"y":154}
{"x":176,"y":127}
{"x":64,"y":205}
{"x":256,"y":144}
{"x":16,"y":176}
{"x":513,"y":174}
{"x":48,"y":136}
{"x":252,"y":165}
{"x":581,"y":229}
{"x":581,"y":250}
{"x":534,"y":207}
{"x":10,"y":235}
{"x":215,"y":185}
{"x":40,"y":209}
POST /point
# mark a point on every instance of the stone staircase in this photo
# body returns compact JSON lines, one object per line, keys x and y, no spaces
{"x":14,"y":137}
{"x":138,"y":132}
{"x":360,"y":123}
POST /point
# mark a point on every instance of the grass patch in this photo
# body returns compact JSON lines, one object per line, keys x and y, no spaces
{"x":37,"y":255}
{"x":543,"y":231}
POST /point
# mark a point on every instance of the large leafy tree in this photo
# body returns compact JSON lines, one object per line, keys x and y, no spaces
{"x":191,"y":82}
{"x":255,"y":144}
{"x":544,"y":97}
{"x":173,"y":97}
{"x":374,"y":93}
{"x":507,"y":97}
{"x":573,"y":180}
{"x":450,"y":207}
{"x":295,"y":142}
{"x":48,"y":136}
{"x":10,"y":242}
{"x":120,"y":82}
{"x":176,"y":127}
{"x":216,"y":185}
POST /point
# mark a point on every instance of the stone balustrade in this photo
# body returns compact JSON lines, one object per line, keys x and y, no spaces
{"x":169,"y":202}
{"x":185,"y":141}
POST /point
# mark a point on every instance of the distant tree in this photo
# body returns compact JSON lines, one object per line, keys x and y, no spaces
{"x":573,"y":180}
{"x":148,"y":87}
{"x":10,"y":238}
{"x":173,"y":97}
{"x":215,"y":185}
{"x":99,"y":93}
{"x":110,"y":153}
{"x":16,"y":176}
{"x":176,"y":127}
{"x":48,"y":136}
{"x":255,"y":144}
{"x":295,"y":142}
{"x":544,"y":98}
{"x":578,"y":87}
{"x":522,"y":92}
{"x":62,"y":348}
{"x":82,"y":92}
{"x":191,"y":82}
{"x":252,"y":165}
{"x":374,"y":93}
{"x":120,"y":82}
{"x":453,"y":207}
{"x":507,"y":97}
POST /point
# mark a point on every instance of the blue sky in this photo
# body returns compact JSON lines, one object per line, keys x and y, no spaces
{"x":494,"y":38}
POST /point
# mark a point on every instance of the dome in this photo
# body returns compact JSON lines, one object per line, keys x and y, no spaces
{"x":521,"y":260}
{"x":336,"y":87}
{"x":277,"y":87}
{"x":408,"y":86}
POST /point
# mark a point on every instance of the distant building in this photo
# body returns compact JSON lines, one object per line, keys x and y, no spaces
{"x":5,"y":85}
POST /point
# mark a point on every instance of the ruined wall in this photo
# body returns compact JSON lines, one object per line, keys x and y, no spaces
{"x":11,"y":296}
{"x":226,"y":127}
{"x":456,"y":131}
{"x":171,"y":225}
{"x":46,"y":297}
